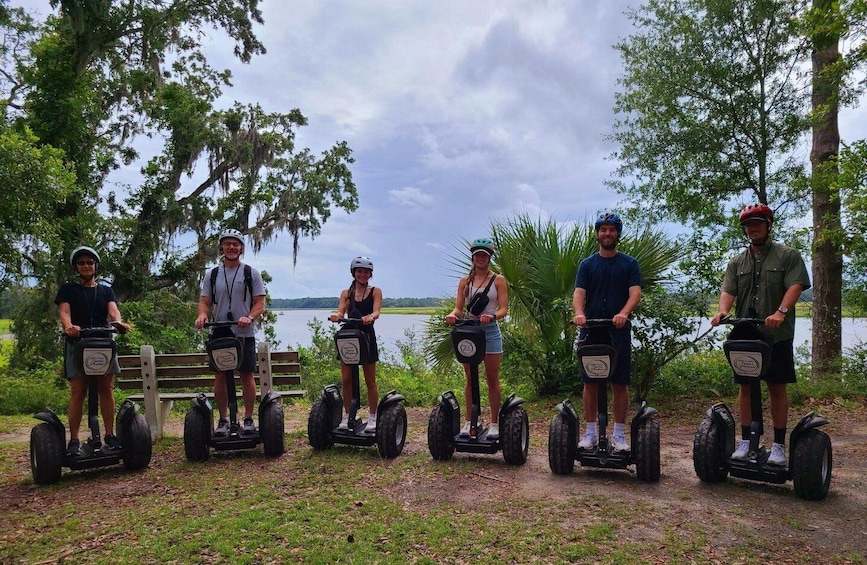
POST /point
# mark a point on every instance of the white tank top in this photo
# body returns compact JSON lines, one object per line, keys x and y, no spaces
{"x":492,"y":297}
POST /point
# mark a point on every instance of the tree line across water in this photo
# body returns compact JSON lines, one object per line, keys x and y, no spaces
{"x":330,"y":302}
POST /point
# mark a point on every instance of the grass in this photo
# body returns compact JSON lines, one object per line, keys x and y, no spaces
{"x":348,"y":505}
{"x":5,"y":326}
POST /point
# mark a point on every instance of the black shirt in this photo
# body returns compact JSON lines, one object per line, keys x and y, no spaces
{"x":88,"y":306}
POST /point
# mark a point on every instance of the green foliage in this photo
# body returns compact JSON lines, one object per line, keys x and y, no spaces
{"x":711,"y":108}
{"x":30,"y":391}
{"x":701,"y":374}
{"x":161,"y":320}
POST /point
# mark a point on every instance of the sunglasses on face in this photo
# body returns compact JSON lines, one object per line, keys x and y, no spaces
{"x":83,"y":263}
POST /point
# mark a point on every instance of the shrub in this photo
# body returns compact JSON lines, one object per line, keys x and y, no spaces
{"x":704,"y":374}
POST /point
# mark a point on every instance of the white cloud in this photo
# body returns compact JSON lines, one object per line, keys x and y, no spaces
{"x":410,"y":196}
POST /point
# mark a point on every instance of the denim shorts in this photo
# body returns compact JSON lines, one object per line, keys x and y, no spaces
{"x":493,"y":338}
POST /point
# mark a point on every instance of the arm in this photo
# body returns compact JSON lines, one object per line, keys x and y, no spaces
{"x":114,"y":315}
{"x":578,"y":298}
{"x":502,"y":301}
{"x":622,"y":317}
{"x":256,"y":310}
{"x":342,"y":306}
{"x":776,"y":319}
{"x":460,"y":299}
{"x":377,"y":306}
{"x":204,"y":311}
{"x":726,"y":301}
{"x":65,"y":315}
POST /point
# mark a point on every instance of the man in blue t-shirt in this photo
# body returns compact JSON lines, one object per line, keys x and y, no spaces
{"x":608,"y":285}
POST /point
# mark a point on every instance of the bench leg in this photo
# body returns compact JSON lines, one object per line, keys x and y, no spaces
{"x":165,"y":409}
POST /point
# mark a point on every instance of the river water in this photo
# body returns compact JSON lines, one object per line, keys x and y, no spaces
{"x":292,"y":330}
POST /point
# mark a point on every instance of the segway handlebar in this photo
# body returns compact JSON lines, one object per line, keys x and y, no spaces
{"x":115,"y":327}
{"x":730,"y":320}
{"x":220,"y":324}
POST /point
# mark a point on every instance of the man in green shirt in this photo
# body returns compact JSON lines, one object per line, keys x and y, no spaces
{"x":765,"y":281}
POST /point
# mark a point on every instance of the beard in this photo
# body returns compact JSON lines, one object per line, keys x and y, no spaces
{"x":607,"y":245}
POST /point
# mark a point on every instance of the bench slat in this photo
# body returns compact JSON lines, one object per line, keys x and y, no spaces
{"x":200,"y":382}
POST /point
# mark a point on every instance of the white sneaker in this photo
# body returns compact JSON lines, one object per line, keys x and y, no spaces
{"x":493,"y":431}
{"x":371,"y":424}
{"x":619,"y":443}
{"x":778,"y":455}
{"x":742,"y":453}
{"x":589,"y":442}
{"x":465,"y":431}
{"x":344,"y":423}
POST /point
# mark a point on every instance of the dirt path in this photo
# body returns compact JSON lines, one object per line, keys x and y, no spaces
{"x":831,"y":530}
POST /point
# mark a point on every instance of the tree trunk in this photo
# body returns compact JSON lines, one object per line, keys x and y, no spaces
{"x":827,"y":254}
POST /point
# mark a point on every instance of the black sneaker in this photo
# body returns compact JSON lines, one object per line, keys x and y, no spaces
{"x":74,"y":448}
{"x":222,"y":428}
{"x":249,"y":428}
{"x":111,"y":443}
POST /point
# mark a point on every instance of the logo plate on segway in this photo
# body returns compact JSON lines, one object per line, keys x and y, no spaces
{"x":596,"y":366}
{"x":746,"y":363}
{"x":96,"y":361}
{"x":349,"y":350}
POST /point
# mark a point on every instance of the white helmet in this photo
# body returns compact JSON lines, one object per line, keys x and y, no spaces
{"x":231,"y":233}
{"x":360,"y":263}
{"x":83,"y":250}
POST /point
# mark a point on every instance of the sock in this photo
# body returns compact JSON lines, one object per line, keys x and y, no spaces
{"x":745,"y":432}
{"x":619,"y":430}
{"x":591,"y":429}
{"x":780,"y":436}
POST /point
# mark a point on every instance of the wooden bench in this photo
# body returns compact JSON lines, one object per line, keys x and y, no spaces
{"x":155,"y":375}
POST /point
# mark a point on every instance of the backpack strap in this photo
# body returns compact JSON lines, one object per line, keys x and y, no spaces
{"x":214,"y":285}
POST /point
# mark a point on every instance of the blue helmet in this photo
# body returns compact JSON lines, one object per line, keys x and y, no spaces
{"x":611,"y":219}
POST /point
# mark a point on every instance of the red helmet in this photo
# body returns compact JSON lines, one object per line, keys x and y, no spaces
{"x":756,"y":212}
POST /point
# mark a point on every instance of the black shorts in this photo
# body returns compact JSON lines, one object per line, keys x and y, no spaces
{"x":782,"y":369}
{"x":622,"y":375}
{"x":248,"y":364}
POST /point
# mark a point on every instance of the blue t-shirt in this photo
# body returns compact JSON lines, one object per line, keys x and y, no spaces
{"x":607,"y":281}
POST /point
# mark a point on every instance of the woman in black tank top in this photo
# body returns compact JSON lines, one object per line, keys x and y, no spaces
{"x":362,"y":301}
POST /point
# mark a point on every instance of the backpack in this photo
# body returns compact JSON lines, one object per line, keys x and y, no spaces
{"x":248,"y":284}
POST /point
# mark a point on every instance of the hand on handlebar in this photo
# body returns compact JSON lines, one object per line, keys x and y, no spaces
{"x":452,"y":319}
{"x":619,"y":320}
{"x":72,"y":331}
{"x":580,"y":320}
{"x":200,"y":321}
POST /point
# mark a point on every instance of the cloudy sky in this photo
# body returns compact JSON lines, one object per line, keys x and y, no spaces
{"x":459,"y":114}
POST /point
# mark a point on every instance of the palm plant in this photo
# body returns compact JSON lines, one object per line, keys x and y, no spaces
{"x":539,"y":259}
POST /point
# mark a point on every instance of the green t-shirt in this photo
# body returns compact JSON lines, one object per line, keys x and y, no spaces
{"x":778,"y":267}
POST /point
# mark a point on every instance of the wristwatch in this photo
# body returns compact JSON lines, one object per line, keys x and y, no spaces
{"x":783,"y":309}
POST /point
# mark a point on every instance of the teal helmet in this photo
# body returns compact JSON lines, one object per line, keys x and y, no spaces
{"x":483,"y":245}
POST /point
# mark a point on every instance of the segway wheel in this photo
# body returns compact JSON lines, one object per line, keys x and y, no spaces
{"x":811,"y":465}
{"x":391,"y":431}
{"x":561,"y":445}
{"x":197,"y":435}
{"x":515,"y":436}
{"x":46,"y":454}
{"x":646,"y":451}
{"x":319,"y":426}
{"x":439,"y":435}
{"x":710,"y":464}
{"x":135,"y":436}
{"x":272,"y":429}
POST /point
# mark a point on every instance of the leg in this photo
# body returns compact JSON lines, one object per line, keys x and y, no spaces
{"x":370,"y":381}
{"x":621,"y":403}
{"x":492,"y":375}
{"x":248,"y":391}
{"x":220,"y":396}
{"x":779,"y":404}
{"x":590,"y":398}
{"x":468,"y":391}
{"x":347,"y":386}
{"x":106,"y":403}
{"x":78,"y":390}
{"x":744,"y":404}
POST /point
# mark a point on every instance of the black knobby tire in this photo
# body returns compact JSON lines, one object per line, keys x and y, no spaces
{"x":561,"y":445}
{"x":811,"y":465}
{"x":197,"y":435}
{"x":391,"y":431}
{"x":135,"y":437}
{"x":272,"y":429}
{"x":710,"y":464}
{"x":319,"y":426}
{"x":515,"y":436}
{"x":46,"y":454}
{"x":439,"y":435}
{"x":646,"y":451}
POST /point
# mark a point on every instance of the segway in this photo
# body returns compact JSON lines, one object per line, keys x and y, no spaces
{"x":443,"y":428}
{"x":598,"y":357}
{"x":323,"y":424}
{"x":93,"y":356}
{"x":225,"y":355}
{"x":810,"y":459}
